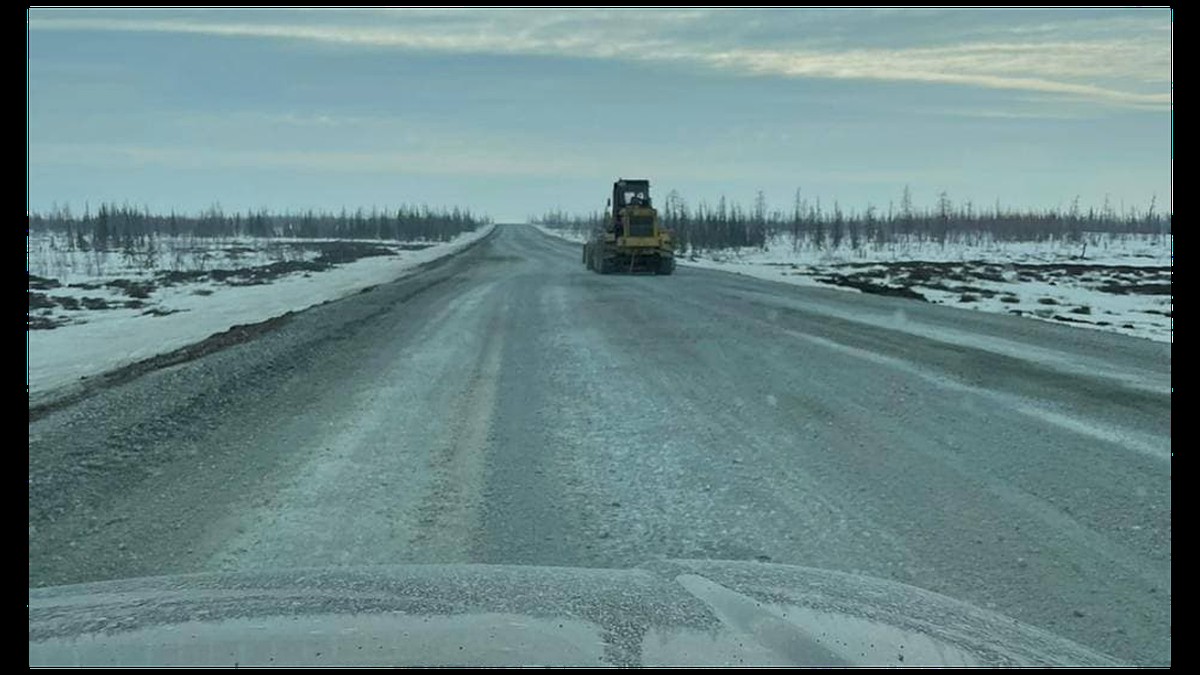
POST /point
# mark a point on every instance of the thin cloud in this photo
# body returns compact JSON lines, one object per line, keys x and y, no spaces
{"x":1100,"y":69}
{"x":1008,"y":114}
{"x":963,"y":68}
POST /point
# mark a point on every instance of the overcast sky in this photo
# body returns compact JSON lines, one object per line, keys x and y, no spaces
{"x":515,"y":112}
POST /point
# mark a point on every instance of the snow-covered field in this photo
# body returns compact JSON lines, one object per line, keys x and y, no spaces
{"x":90,"y":313}
{"x":1119,"y":283}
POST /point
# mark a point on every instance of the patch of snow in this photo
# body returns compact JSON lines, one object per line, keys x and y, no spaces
{"x":1133,"y":314}
{"x":103,"y":340}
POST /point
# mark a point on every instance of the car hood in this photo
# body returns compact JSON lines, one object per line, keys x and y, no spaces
{"x":667,"y":612}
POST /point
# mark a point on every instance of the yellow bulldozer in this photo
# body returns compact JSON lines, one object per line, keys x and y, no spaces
{"x":631,"y":237}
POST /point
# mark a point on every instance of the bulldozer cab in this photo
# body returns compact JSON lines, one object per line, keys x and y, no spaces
{"x":630,"y":193}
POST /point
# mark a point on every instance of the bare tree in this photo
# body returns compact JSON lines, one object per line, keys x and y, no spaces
{"x":796,"y":216}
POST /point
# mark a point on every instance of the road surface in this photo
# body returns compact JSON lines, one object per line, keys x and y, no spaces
{"x":508,"y":406}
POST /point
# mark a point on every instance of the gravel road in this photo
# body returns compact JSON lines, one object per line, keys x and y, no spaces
{"x":508,"y":406}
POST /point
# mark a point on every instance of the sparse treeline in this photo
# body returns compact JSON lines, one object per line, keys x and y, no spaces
{"x":112,"y":226}
{"x":817,"y":225}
